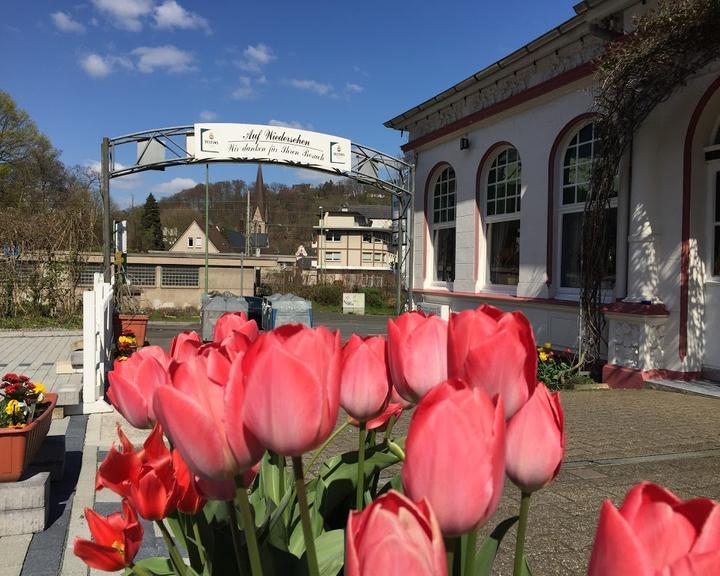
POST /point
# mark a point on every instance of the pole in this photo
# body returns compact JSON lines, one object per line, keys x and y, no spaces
{"x":411,"y":240}
{"x":247,"y":226}
{"x":207,"y":224}
{"x":105,"y":192}
{"x":320,"y":259}
{"x":399,"y":255}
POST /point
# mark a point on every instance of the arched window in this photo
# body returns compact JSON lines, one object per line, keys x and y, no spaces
{"x":442,"y":217}
{"x":574,"y":189}
{"x":502,"y":217}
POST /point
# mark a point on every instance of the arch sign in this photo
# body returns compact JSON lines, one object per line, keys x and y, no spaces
{"x":217,"y":142}
{"x":258,"y":143}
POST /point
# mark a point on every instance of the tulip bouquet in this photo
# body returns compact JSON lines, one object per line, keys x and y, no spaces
{"x":234,"y":476}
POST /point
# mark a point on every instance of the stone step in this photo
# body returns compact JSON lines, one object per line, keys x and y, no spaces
{"x":24,"y":505}
{"x":697,"y":387}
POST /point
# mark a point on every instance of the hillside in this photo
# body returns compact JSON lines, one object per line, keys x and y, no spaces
{"x":291,"y":211}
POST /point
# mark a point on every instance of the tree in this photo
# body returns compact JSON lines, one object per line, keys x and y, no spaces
{"x":151,"y":225}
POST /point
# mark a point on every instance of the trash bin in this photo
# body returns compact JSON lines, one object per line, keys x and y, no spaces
{"x":214,"y":305}
{"x":280,"y":309}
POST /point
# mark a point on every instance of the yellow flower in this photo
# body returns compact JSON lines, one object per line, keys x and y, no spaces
{"x":547,"y":345}
{"x":39,"y":388}
{"x":543,"y":356}
{"x":13,"y":408}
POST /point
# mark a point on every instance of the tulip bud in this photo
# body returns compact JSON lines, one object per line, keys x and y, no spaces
{"x":365,"y":386}
{"x":235,"y":322}
{"x":495,"y":351}
{"x":654,"y":533}
{"x":536,"y":441}
{"x":394,"y":536}
{"x":417,"y":353}
{"x":456,"y":434}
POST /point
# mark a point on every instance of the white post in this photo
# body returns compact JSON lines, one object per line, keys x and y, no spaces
{"x":89,"y":347}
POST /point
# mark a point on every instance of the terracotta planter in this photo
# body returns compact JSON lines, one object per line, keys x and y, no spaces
{"x":18,"y":446}
{"x":135,"y":322}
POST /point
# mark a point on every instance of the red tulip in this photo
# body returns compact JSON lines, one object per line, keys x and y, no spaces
{"x":365,"y":387}
{"x":495,"y":351}
{"x":417,"y":353}
{"x":184,"y":345}
{"x":201,"y":413}
{"x":381,"y":421}
{"x":455,"y":455}
{"x":235,"y":322}
{"x":146,"y":478}
{"x":394,"y":537}
{"x":190,"y":500}
{"x":536,"y":441}
{"x":116,"y":539}
{"x":133,"y":383}
{"x":293,"y":388}
{"x":656,"y":534}
{"x":225,"y":489}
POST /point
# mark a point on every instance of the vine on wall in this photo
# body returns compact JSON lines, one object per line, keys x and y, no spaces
{"x":670,"y":43}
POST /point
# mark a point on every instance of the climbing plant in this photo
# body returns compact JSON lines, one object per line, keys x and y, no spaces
{"x":638,"y":71}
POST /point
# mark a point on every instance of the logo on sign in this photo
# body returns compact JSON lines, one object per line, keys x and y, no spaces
{"x":209,"y":141}
{"x":338,"y":153}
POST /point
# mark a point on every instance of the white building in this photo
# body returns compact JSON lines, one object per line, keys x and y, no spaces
{"x":503,"y":161}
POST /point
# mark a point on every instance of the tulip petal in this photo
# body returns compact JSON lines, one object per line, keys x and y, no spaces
{"x":98,"y":556}
{"x":128,"y":400}
{"x":616,"y":550}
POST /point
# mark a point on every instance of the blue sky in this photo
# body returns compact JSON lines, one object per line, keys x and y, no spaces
{"x":95,"y":68}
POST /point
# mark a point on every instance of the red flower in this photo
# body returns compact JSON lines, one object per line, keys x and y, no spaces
{"x":455,"y":455}
{"x":190,"y":501}
{"x":293,"y":388}
{"x":655,"y":533}
{"x":495,"y":351}
{"x":394,"y":536}
{"x":365,"y":387}
{"x":146,"y":478}
{"x":235,"y":322}
{"x":117,"y":539}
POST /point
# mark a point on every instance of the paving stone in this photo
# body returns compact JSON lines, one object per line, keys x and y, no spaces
{"x":25,"y":494}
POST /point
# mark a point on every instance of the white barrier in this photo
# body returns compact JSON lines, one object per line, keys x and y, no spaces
{"x":97,"y":341}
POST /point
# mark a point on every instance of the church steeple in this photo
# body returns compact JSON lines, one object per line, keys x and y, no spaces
{"x":259,"y":219}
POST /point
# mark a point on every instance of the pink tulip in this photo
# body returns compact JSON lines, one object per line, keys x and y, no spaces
{"x":417,"y":353}
{"x":365,"y":387}
{"x":133,"y":383}
{"x":235,"y":322}
{"x":394,"y":537}
{"x":201,"y":413}
{"x":536,"y":441}
{"x":656,"y":534}
{"x":293,"y":388}
{"x":184,"y":345}
{"x":380,"y":422}
{"x":495,"y":351}
{"x":455,"y":455}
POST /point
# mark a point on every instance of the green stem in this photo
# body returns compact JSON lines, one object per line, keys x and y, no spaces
{"x":237,"y":545}
{"x":249,"y":527}
{"x":390,"y":426}
{"x":522,"y":528}
{"x":138,"y":570}
{"x":325,"y":444}
{"x":470,"y":552}
{"x":305,"y":516}
{"x":198,"y":540}
{"x":360,"y":488}
{"x":175,"y":557}
{"x":451,"y":554}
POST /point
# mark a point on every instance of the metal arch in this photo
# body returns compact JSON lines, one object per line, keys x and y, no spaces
{"x":369,"y":166}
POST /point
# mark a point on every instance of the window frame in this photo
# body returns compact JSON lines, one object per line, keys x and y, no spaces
{"x":331,"y":235}
{"x":562,"y":209}
{"x":490,"y":164}
{"x":333,"y":252}
{"x":434,"y":227}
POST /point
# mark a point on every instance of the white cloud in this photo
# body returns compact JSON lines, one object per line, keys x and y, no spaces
{"x":351,"y":88}
{"x":170,"y":14}
{"x":313,"y":86}
{"x":255,"y":57}
{"x":245,"y":90}
{"x":95,"y":65}
{"x":99,"y":66}
{"x":166,"y":57}
{"x":127,"y":182}
{"x":174,"y":185}
{"x":65,"y":23}
{"x":291,"y":124}
{"x":125,"y":14}
{"x":208,"y":116}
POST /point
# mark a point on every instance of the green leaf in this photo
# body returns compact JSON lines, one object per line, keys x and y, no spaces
{"x":488,"y":551}
{"x":395,"y":483}
{"x":526,"y":567}
{"x":157,"y":566}
{"x":330,"y":548}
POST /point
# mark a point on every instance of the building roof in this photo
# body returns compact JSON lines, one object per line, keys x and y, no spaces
{"x":369,"y":211}
{"x":229,"y":241}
